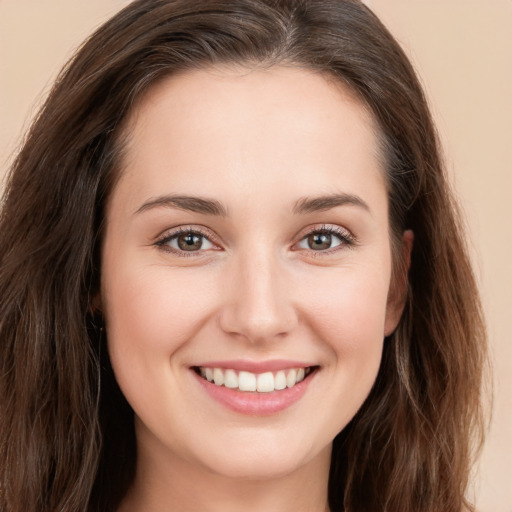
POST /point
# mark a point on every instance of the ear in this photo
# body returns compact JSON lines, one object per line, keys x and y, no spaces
{"x":398,"y":287}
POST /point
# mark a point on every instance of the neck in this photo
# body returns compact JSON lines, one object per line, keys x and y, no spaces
{"x":166,"y":483}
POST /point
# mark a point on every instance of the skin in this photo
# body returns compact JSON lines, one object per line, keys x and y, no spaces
{"x":258,"y":142}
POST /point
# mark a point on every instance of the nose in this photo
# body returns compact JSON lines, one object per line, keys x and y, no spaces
{"x":257,"y":305}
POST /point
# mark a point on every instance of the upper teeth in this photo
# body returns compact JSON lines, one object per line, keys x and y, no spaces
{"x":248,"y":381}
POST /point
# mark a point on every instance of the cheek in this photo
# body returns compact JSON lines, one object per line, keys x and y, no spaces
{"x":348,"y":319}
{"x":349,"y":310}
{"x":150,"y":314}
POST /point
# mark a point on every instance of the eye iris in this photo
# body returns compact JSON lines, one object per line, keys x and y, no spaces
{"x":190,"y":242}
{"x":319,"y":241}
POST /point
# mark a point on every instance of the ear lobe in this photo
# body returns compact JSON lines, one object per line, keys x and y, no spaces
{"x":398,"y":287}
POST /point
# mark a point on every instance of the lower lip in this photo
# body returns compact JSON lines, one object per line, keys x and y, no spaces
{"x":254,"y":403}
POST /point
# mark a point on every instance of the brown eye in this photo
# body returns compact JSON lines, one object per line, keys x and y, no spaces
{"x":190,"y":242}
{"x":186,"y":241}
{"x":325,"y":239}
{"x":319,"y":241}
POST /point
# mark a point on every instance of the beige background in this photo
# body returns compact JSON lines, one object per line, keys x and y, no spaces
{"x":463,"y":52}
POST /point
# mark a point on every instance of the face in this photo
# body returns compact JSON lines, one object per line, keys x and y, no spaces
{"x":246,"y":268}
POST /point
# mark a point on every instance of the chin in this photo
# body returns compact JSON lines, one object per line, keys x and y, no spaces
{"x":256,"y":468}
{"x":264,"y":459}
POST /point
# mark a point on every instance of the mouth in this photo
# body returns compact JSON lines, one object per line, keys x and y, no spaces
{"x":249,"y":382}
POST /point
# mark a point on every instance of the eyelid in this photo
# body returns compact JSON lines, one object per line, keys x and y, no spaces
{"x":172,"y":233}
{"x":348,"y":240}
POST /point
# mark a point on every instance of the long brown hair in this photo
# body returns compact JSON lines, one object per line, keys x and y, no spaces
{"x":66,"y":432}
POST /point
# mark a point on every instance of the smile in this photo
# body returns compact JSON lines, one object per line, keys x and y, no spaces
{"x":266,"y":382}
{"x":255,"y":389}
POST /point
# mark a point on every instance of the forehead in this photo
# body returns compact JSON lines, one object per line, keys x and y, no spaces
{"x":280,"y":128}
{"x":235,"y":88}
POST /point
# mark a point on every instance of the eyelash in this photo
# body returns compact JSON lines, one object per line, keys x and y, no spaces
{"x":168,"y":237}
{"x":347,"y":240}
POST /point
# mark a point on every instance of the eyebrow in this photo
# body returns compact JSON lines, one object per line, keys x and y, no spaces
{"x":327,"y":202}
{"x":208,"y":206}
{"x":190,"y":203}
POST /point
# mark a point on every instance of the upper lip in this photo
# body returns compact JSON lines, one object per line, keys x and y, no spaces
{"x":271,"y":365}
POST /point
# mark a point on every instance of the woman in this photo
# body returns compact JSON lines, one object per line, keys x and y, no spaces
{"x":233,"y":276}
